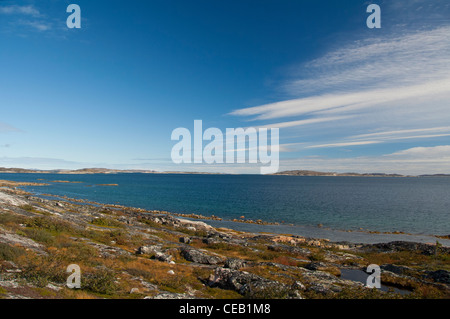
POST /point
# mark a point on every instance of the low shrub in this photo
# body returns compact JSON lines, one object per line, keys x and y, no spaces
{"x":102,"y":282}
{"x":106,"y":222}
{"x":10,"y":253}
{"x":39,"y":235}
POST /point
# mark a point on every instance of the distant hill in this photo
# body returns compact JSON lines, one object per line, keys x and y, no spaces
{"x":435,"y":175}
{"x":77,"y":171}
{"x":117,"y":171}
{"x":91,"y":171}
{"x":314,"y":173}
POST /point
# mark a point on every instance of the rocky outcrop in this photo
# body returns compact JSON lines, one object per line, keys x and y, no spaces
{"x":236,"y":263}
{"x":197,"y":256}
{"x":178,"y":222}
{"x":156,"y":252}
{"x":399,"y":270}
{"x":290,"y":249}
{"x":420,"y":276}
{"x":11,"y":200}
{"x":106,"y":251}
{"x":185,"y":240}
{"x":11,"y":238}
{"x":149,"y":250}
{"x":249,"y":285}
{"x":426,"y":249}
{"x":440,"y":276}
{"x":170,"y":295}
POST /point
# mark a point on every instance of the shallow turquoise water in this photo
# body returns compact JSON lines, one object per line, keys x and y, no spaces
{"x":413,"y":205}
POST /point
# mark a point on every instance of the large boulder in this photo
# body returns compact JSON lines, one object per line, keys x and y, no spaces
{"x":236,"y":263}
{"x":156,"y":252}
{"x":185,"y":240}
{"x":149,"y":250}
{"x":200,"y":257}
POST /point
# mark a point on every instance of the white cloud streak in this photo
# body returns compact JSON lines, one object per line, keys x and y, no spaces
{"x":21,"y":10}
{"x":26,"y":16}
{"x":36,"y":25}
{"x":413,"y":161}
{"x":4,"y":128}
{"x":378,"y":90}
{"x":407,"y":59}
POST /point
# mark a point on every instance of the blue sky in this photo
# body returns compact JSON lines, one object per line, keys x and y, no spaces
{"x":345,"y":97}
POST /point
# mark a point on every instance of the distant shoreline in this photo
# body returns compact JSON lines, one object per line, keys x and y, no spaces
{"x":283,"y":173}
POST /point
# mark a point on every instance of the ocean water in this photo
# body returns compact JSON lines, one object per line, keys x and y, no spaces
{"x":412,"y":205}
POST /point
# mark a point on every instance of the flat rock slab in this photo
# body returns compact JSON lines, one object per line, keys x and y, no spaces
{"x":7,"y":237}
{"x":11,"y":200}
{"x":200,"y":257}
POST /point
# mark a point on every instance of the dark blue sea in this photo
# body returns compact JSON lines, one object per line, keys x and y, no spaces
{"x":417,"y":205}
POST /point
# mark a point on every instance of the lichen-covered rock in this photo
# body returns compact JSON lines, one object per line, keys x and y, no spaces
{"x":235,"y":263}
{"x":200,"y":257}
{"x":325,"y":283}
{"x":163,"y":257}
{"x":170,"y":295}
{"x":149,"y":250}
{"x":244,"y":283}
{"x":8,"y":237}
{"x":441,"y":276}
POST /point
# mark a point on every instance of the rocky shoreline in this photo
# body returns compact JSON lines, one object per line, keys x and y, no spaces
{"x":128,"y":252}
{"x":283,"y":229}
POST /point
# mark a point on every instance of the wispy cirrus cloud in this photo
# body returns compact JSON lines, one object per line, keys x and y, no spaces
{"x":412,"y":161}
{"x":423,"y":153}
{"x":24,"y":17}
{"x":345,"y":102}
{"x":375,"y":63}
{"x":5,"y":128}
{"x":36,"y":25}
{"x":28,"y":10}
{"x":387,"y":136}
{"x":395,"y":87}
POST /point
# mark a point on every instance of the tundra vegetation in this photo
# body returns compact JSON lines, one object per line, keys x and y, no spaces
{"x":128,"y":252}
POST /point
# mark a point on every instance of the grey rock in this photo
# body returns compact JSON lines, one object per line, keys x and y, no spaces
{"x":235,"y":263}
{"x":134,"y":291}
{"x":149,"y":250}
{"x":197,"y":256}
{"x":441,"y":276}
{"x":163,"y":257}
{"x":298,"y":286}
{"x":169,"y":295}
{"x":212,"y":240}
{"x":399,"y":270}
{"x":185,"y":240}
{"x":290,"y":249}
{"x":426,"y":249}
{"x":245,"y":283}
